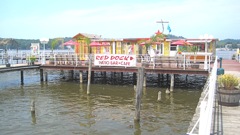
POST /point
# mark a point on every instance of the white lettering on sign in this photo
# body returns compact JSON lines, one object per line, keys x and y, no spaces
{"x":114,"y":60}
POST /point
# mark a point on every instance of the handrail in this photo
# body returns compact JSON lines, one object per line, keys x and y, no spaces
{"x":178,"y":61}
{"x":204,"y":121}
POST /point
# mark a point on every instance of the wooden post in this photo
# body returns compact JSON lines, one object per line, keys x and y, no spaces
{"x":33,"y":112}
{"x":41,"y":75}
{"x":121,"y":77}
{"x":167,"y":79}
{"x":159,"y":80}
{"x":33,"y":106}
{"x":145,"y":80}
{"x":22,"y":78}
{"x":172,"y":83}
{"x":159,"y":96}
{"x":134,"y":78}
{"x":141,"y":73}
{"x":81,"y":76}
{"x":104,"y":77}
{"x":92,"y":76}
{"x":89,"y":74}
{"x":46,"y":76}
{"x":71,"y":74}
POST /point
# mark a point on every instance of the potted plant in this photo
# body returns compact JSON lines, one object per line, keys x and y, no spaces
{"x":32,"y":59}
{"x":228,"y":91}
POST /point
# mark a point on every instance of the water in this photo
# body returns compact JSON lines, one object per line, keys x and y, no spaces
{"x":225,"y":54}
{"x":63,"y":107}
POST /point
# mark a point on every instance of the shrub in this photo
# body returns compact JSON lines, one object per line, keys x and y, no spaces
{"x":228,"y":81}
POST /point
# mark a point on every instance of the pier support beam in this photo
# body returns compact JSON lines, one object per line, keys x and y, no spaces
{"x":121,"y":77}
{"x":41,"y":75}
{"x":22,"y":77}
{"x":134,"y":78}
{"x":46,"y":76}
{"x":141,"y":72}
{"x":105,"y":77}
{"x":92,"y":76}
{"x":172,"y":83}
{"x":71,"y":74}
{"x":159,"y":80}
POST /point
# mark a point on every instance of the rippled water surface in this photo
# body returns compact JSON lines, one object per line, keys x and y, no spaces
{"x":63,"y":107}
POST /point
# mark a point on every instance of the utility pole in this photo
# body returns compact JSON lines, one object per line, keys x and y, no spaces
{"x":162,"y":24}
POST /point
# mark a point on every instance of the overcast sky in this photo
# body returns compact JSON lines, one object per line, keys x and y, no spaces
{"x":34,"y":19}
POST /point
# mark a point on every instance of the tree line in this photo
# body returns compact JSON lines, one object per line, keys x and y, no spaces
{"x":25,"y":44}
{"x":57,"y":43}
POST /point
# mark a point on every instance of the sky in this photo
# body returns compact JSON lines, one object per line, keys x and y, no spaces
{"x":35,"y":19}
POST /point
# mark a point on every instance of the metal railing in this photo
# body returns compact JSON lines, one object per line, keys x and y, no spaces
{"x":204,"y":121}
{"x":61,"y":58}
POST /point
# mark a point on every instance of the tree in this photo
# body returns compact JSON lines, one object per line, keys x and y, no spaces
{"x":55,"y":42}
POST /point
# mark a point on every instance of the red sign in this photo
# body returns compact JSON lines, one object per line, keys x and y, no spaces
{"x":114,"y":60}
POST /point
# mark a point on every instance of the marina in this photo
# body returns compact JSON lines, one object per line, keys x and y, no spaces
{"x":139,"y":129}
{"x":136,"y":65}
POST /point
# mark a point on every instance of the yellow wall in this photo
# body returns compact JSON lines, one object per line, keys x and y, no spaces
{"x":101,"y":49}
{"x":82,"y":49}
{"x":166,"y":48}
{"x":118,"y":47}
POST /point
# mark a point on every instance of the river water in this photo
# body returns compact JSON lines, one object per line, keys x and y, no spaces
{"x":63,"y":107}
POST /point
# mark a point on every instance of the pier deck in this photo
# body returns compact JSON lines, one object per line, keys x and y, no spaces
{"x":150,"y":69}
{"x":231,"y":115}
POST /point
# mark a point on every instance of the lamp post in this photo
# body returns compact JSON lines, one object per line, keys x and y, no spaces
{"x":44,"y":41}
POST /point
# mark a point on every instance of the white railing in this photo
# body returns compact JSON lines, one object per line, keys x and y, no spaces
{"x":178,"y":61}
{"x":204,"y":121}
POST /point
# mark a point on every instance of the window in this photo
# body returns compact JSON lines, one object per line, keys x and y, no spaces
{"x":173,"y":48}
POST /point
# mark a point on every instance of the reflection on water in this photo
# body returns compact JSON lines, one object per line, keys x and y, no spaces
{"x":65,"y":108}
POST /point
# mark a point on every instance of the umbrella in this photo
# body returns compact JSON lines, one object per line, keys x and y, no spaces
{"x":105,"y":43}
{"x":70,"y":42}
{"x":95,"y":44}
{"x":180,"y":42}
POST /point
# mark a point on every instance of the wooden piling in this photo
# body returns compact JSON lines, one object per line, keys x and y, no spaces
{"x":159,"y":80}
{"x":104,"y":77}
{"x":121,"y":75}
{"x":71,"y":72}
{"x":141,"y":72}
{"x":134,"y":78}
{"x":33,"y":106}
{"x":22,"y":77}
{"x":145,"y":80}
{"x":41,"y":75}
{"x":92,"y":76}
{"x":172,"y":83}
{"x":46,"y":76}
{"x":89,"y":74}
{"x":159,"y":96}
{"x":81,"y":76}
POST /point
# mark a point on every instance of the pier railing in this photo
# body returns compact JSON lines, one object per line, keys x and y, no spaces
{"x":204,"y":121}
{"x":69,"y":58}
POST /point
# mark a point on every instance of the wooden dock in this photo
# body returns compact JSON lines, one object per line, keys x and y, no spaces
{"x":230,"y":115}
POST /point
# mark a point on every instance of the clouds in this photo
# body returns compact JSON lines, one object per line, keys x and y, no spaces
{"x":124,"y":19}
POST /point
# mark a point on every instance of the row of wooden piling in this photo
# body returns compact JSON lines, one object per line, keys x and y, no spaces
{"x":141,"y":82}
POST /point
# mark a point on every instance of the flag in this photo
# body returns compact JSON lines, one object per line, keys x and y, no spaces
{"x":168,"y":28}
